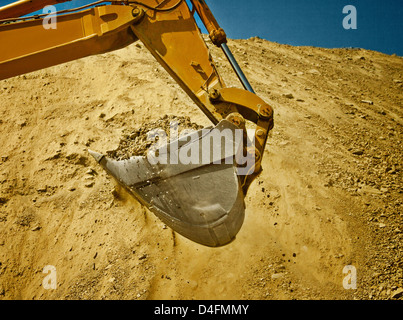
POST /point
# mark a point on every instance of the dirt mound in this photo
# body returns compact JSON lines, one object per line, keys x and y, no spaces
{"x":327,"y":203}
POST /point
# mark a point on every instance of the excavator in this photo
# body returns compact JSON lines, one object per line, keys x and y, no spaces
{"x":204,"y":201}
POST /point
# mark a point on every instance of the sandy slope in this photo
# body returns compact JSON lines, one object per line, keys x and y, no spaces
{"x":330,"y":194}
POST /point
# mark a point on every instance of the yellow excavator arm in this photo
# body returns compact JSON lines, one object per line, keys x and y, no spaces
{"x":169,"y":31}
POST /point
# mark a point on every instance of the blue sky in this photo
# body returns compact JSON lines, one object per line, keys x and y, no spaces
{"x":308,"y":22}
{"x":315,"y":22}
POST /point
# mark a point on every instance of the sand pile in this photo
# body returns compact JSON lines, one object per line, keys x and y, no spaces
{"x":329,"y":196}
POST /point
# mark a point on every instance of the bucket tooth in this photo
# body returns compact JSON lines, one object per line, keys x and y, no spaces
{"x":97,"y":156}
{"x":203,"y":202}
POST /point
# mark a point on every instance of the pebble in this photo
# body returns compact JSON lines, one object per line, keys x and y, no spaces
{"x":91,"y":172}
{"x":357,"y":152}
{"x":36,"y":228}
{"x":90,"y":184}
{"x":288,"y":96}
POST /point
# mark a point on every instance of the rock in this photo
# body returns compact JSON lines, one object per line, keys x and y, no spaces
{"x":143,"y":257}
{"x":367,"y":101}
{"x":21,"y":123}
{"x":288,"y":95}
{"x":43,"y":189}
{"x":91,"y":172}
{"x":90,"y":184}
{"x":357,"y":152}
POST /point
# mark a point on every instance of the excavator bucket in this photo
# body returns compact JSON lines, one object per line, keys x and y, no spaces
{"x":191,"y":184}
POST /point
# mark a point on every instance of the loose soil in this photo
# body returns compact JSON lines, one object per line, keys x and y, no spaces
{"x":330,"y":195}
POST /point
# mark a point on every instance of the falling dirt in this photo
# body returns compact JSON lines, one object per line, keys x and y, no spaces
{"x":330,"y":194}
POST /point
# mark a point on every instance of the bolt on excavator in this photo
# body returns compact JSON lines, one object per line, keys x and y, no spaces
{"x":201,"y":200}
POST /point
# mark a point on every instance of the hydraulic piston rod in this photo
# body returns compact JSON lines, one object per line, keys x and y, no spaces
{"x":237,"y":68}
{"x":219,"y":38}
